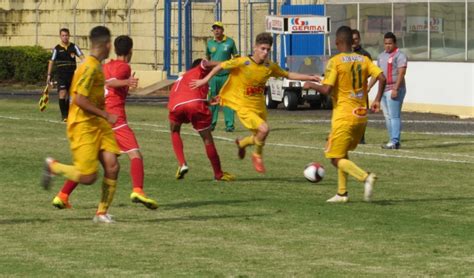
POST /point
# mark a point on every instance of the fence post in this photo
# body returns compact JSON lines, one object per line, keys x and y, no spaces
{"x":74,"y":8}
{"x":155,"y":34}
{"x":129,"y":17}
{"x":104,"y":8}
{"x":38,"y":4}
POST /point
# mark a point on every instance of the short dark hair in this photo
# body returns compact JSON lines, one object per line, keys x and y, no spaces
{"x":196,"y":63}
{"x":65,"y":30}
{"x":356,"y":32}
{"x":99,"y":34}
{"x":264,"y":38}
{"x":123,"y":45}
{"x":344,"y":33}
{"x":390,"y":35}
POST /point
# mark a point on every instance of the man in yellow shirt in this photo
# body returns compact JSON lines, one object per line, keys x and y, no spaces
{"x":244,"y":93}
{"x":346,"y":80}
{"x":88,"y":128}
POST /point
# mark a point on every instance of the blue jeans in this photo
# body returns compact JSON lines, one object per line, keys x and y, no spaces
{"x":392,"y":110}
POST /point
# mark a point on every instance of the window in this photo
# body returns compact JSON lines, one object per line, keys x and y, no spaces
{"x":375,"y":21}
{"x":341,"y":15}
{"x":410,"y":29}
{"x":470,"y":34}
{"x":448,"y":31}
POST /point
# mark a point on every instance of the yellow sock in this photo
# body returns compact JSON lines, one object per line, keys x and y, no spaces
{"x":259,"y":146}
{"x":341,"y":182}
{"x":108,"y":191}
{"x":246,"y":141}
{"x":68,"y":171}
{"x":352,"y":169}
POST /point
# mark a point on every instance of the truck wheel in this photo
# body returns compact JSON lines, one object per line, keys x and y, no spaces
{"x":269,"y":102}
{"x":290,"y":100}
{"x":315,"y":104}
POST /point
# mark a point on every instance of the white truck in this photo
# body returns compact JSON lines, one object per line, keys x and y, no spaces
{"x":290,"y":92}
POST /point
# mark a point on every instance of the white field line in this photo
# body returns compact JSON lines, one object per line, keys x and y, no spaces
{"x":392,"y":155}
{"x":403,"y":121}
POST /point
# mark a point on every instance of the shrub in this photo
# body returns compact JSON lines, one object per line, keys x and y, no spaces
{"x":27,"y":64}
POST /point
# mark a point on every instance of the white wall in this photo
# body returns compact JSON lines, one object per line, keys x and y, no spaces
{"x":440,"y":83}
{"x":439,"y":87}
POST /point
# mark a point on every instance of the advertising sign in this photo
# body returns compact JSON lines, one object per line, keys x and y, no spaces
{"x":420,"y":24}
{"x":308,"y":24}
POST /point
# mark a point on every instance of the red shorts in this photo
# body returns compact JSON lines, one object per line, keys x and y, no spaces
{"x":197,"y":113}
{"x":126,"y":139}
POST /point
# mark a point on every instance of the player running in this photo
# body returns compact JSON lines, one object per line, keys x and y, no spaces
{"x":244,"y":93}
{"x":118,"y":81}
{"x":88,"y":128}
{"x":346,"y":80}
{"x":187,"y":105}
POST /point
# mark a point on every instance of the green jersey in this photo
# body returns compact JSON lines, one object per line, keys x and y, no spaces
{"x":221,"y":51}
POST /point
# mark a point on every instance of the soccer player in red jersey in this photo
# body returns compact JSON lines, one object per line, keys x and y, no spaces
{"x":188,"y":105}
{"x":118,"y":81}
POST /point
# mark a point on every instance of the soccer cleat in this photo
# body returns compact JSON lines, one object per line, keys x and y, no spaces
{"x":47,"y":178}
{"x":241,"y":151}
{"x":391,"y":146}
{"x":103,"y":218}
{"x":338,"y":199}
{"x":226,"y":177}
{"x":65,"y":120}
{"x":369,"y":186}
{"x":182,"y":170}
{"x":60,"y":203}
{"x":141,"y":198}
{"x":257,"y":161}
{"x":229,"y":129}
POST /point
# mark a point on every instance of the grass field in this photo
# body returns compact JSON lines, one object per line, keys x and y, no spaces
{"x":421,"y":222}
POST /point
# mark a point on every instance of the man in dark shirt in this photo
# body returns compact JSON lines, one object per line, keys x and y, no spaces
{"x":64,"y":61}
{"x":357,"y":48}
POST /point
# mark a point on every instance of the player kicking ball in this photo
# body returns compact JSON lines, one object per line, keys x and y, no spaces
{"x":89,"y":128}
{"x":188,"y":105}
{"x":244,"y":93}
{"x":118,"y":81}
{"x":346,"y":80}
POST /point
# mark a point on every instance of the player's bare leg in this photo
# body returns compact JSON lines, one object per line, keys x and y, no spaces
{"x":213,"y":156}
{"x":137,"y":175}
{"x":178,"y":150}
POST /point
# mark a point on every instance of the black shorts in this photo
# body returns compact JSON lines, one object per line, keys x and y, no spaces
{"x":64,"y":81}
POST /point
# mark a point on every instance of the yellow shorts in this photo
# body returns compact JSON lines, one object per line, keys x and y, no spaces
{"x":87,"y":139}
{"x":252,"y":118}
{"x":344,"y":137}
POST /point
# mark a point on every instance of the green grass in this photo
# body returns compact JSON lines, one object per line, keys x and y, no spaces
{"x":420,"y":223}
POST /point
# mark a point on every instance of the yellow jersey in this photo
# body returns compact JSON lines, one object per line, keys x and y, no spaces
{"x":88,"y":81}
{"x":347,"y":73}
{"x":245,"y":86}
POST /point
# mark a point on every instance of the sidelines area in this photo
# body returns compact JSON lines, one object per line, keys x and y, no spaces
{"x":402,"y":154}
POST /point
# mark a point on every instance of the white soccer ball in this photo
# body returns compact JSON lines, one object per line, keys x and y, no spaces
{"x":314,"y":172}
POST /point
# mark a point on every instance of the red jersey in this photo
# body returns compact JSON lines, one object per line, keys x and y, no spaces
{"x":115,"y":97}
{"x":181,"y":92}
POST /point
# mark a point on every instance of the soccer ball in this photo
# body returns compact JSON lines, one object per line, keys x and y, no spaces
{"x":314,"y":172}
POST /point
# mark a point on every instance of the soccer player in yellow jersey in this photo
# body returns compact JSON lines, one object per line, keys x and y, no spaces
{"x":88,"y":128}
{"x":346,"y":80}
{"x":244,"y":93}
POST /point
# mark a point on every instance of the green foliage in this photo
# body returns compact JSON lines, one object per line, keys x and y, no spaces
{"x":27,"y":64}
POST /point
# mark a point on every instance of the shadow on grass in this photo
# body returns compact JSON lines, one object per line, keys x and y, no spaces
{"x":202,"y":218}
{"x":263,"y":178}
{"x":437,"y":146}
{"x":194,"y":204}
{"x":401,"y":201}
{"x":23,"y":221}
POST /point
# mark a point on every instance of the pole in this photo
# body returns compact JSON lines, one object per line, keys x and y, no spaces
{"x":37,"y":22}
{"x":239,"y":19}
{"x":74,"y":7}
{"x":104,"y":8}
{"x":188,"y":17}
{"x":180,"y":35}
{"x":129,"y":17}
{"x":155,"y":35}
{"x":167,"y":38}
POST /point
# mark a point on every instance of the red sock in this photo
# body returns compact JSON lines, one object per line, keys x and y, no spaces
{"x":68,"y":187}
{"x":136,"y":172}
{"x":215,"y":161}
{"x":178,"y":147}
